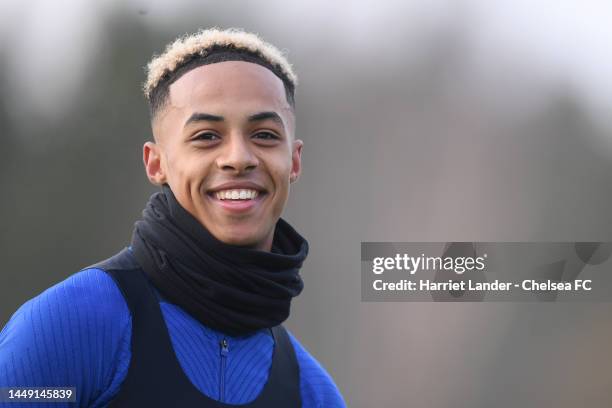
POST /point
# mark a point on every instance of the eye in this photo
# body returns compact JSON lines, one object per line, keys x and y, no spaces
{"x":268,"y":136}
{"x":206,"y":136}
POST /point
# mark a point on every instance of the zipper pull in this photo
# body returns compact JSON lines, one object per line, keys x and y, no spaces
{"x":224,"y":347}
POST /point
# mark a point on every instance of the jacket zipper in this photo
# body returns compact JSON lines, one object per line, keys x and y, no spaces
{"x":224,"y":350}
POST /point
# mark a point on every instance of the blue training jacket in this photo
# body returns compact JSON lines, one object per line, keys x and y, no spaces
{"x":77,"y":333}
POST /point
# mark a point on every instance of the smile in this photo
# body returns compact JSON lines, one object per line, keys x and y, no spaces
{"x":239,"y":198}
{"x":236,"y":194}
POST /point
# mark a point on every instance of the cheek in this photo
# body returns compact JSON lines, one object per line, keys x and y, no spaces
{"x":183,"y":161}
{"x":281,"y":178}
{"x":187,"y":171}
{"x":281,"y":172}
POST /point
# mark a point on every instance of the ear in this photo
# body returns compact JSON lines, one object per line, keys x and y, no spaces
{"x":296,"y":160}
{"x":152,"y":158}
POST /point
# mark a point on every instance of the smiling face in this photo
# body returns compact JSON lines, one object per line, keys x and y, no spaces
{"x":225,"y":146}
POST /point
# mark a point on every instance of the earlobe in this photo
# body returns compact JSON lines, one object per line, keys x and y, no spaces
{"x":151,"y":157}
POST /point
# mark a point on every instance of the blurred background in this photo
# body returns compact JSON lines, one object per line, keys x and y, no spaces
{"x":423,"y":120}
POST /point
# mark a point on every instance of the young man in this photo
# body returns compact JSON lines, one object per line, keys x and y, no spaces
{"x":189,"y":315}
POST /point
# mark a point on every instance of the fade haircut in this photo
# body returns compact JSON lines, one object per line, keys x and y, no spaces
{"x":208,"y":47}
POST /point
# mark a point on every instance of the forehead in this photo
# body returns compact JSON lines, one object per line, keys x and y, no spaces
{"x":238,"y":83}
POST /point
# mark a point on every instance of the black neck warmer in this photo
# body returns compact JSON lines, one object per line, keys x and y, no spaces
{"x":231,"y":289}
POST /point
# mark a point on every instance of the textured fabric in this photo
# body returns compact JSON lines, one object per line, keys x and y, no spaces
{"x":78,"y":333}
{"x":229,"y":288}
{"x":155,"y":377}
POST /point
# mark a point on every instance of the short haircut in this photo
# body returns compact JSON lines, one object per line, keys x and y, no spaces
{"x":208,"y":47}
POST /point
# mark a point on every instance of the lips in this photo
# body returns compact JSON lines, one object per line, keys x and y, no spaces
{"x":236,"y":194}
{"x":245,"y":185}
{"x":237,"y":197}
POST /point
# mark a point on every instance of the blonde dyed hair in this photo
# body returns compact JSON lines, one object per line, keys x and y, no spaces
{"x":184,"y":48}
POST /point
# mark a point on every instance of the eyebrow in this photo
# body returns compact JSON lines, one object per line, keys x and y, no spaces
{"x":265,"y":116}
{"x":201,"y":117}
{"x":257,"y":117}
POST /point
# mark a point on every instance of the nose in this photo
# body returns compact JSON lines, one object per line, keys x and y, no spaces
{"x":237,"y":156}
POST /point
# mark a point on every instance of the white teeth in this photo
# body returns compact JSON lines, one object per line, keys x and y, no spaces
{"x":236,"y":194}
